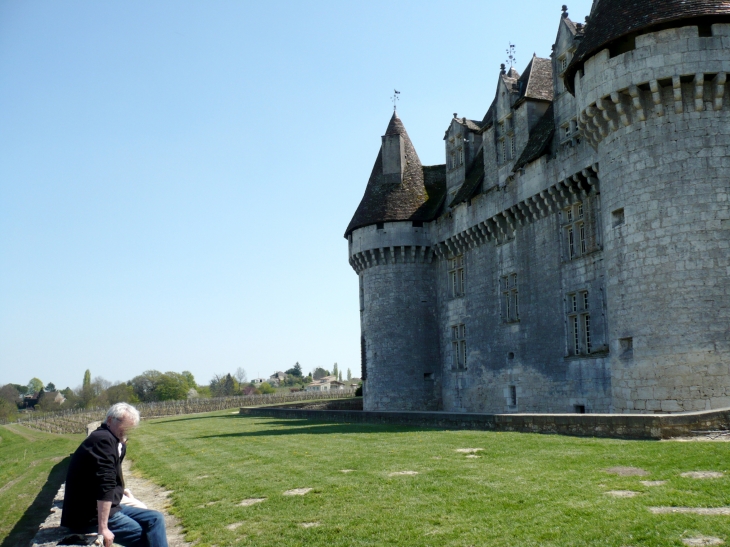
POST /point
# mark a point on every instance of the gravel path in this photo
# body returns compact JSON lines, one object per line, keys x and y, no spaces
{"x":155,"y":498}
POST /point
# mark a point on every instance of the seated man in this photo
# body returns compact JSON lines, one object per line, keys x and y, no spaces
{"x":95,"y":486}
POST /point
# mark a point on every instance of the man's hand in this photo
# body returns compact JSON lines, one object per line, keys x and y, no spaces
{"x":108,"y":537}
{"x":102,"y":510}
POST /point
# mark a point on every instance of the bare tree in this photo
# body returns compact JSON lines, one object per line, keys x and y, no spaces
{"x":241,"y":375}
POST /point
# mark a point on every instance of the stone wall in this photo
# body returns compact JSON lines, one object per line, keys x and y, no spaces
{"x":625,"y":426}
{"x":661,"y":125}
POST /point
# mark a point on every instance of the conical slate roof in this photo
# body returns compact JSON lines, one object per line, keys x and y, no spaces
{"x":416,"y":198}
{"x":613,"y":19}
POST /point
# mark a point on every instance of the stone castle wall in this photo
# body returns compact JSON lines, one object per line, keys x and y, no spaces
{"x":660,"y":117}
{"x":649,"y":166}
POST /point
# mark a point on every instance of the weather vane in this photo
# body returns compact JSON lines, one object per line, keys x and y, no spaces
{"x":395,"y":98}
{"x":511,"y":58}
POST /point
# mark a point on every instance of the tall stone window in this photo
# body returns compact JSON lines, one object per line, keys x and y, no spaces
{"x":575,"y":230}
{"x":579,"y":324}
{"x":456,"y":276}
{"x":510,"y":298}
{"x":458,"y":346}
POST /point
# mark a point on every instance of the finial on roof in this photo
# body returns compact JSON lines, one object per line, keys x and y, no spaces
{"x":455,"y":115}
{"x":511,"y":58}
{"x":395,"y":98}
{"x":565,"y":11}
{"x":502,"y":69}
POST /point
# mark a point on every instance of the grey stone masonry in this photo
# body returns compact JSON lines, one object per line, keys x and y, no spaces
{"x":592,"y":279}
{"x":625,"y":426}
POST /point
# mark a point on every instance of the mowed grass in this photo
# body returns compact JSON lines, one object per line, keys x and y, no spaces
{"x":32,"y":468}
{"x":522,"y":490}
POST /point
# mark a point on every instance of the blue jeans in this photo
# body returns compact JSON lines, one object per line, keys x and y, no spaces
{"x":133,"y":527}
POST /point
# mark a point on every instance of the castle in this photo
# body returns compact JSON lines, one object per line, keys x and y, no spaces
{"x":572,"y":255}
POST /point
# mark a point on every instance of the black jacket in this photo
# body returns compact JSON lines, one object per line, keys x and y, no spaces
{"x":95,"y":473}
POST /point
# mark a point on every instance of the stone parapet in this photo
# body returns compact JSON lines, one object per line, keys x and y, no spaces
{"x":391,"y":243}
{"x":670,"y":70}
{"x":502,"y":226}
{"x":623,"y":426}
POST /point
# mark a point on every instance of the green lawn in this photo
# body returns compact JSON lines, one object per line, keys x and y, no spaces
{"x":522,"y":490}
{"x":32,"y":468}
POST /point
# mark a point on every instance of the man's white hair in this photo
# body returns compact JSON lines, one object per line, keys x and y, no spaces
{"x":119,"y":410}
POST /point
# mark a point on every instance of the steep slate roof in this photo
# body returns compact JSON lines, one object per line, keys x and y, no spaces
{"x":537,"y":80}
{"x":417,"y":197}
{"x":613,"y":19}
{"x":540,"y":139}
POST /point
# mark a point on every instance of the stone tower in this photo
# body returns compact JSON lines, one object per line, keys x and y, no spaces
{"x":649,"y":80}
{"x":390,"y":251}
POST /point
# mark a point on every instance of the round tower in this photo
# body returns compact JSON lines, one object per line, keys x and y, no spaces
{"x":390,"y":251}
{"x":650,"y":81}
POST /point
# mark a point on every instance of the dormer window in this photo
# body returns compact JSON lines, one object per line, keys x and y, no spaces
{"x":563,"y":62}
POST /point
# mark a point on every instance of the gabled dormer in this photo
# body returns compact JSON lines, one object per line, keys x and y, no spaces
{"x":462,"y":140}
{"x":504,"y":123}
{"x":567,"y":41}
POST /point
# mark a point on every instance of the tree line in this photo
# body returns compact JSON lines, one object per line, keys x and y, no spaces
{"x":150,"y":386}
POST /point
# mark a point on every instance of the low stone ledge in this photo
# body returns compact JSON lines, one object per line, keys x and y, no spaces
{"x":622,"y":426}
{"x":354,"y":403}
{"x":51,"y":532}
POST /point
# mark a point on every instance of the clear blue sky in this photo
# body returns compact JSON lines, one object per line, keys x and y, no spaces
{"x":176,"y":177}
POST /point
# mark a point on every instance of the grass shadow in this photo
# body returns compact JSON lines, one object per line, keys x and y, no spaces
{"x":169,"y":419}
{"x":27,"y":527}
{"x":323,"y":429}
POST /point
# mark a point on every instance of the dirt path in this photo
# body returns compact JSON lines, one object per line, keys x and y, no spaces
{"x":155,"y":498}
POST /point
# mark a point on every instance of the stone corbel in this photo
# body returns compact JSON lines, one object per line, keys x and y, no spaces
{"x":556,"y":201}
{"x":429,"y":254}
{"x":524,"y":213}
{"x":656,"y":97}
{"x":592,"y":113}
{"x":370,"y":257}
{"x":635,"y":94}
{"x":677,"y":87}
{"x":546,"y":200}
{"x":605,"y":107}
{"x":562,"y":187}
{"x":719,"y":89}
{"x":618,"y":100}
{"x":699,"y":92}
